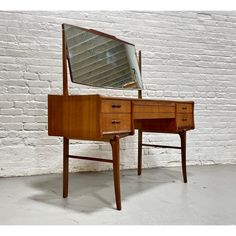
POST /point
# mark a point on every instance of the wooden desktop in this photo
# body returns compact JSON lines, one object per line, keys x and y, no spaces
{"x":100,"y":118}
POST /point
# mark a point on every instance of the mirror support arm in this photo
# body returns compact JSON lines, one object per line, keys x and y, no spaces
{"x":140,"y":68}
{"x":64,"y":67}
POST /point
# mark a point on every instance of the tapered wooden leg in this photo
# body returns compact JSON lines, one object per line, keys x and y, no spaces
{"x":115,"y":144}
{"x":140,"y":140}
{"x":183,"y":154}
{"x":65,"y":166}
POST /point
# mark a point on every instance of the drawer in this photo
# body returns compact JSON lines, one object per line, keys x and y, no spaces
{"x":143,"y":102}
{"x":184,"y":121}
{"x":184,"y":108}
{"x":116,"y":122}
{"x":116,"y":106}
{"x":153,"y":109}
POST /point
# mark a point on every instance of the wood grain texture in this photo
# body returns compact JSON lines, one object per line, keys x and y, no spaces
{"x":77,"y":116}
{"x":183,"y":154}
{"x":92,"y":117}
{"x":184,"y":116}
{"x":184,"y":121}
{"x":150,"y":115}
{"x":115,"y":144}
{"x":116,"y":122}
{"x":64,"y":64}
{"x":55,"y":115}
{"x":81,"y":116}
{"x":65,"y":166}
{"x":184,"y":108}
{"x":140,"y":132}
{"x":115,"y":106}
{"x":154,"y":108}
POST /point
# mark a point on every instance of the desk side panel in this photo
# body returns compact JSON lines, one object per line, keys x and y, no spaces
{"x":55,"y":115}
{"x":81,"y":117}
{"x":74,"y":117}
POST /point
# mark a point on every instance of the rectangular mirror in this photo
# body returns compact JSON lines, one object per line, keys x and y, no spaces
{"x":101,"y":60}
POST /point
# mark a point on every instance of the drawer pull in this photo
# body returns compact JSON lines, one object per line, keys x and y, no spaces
{"x":184,"y":119}
{"x":116,"y":106}
{"x":115,"y":121}
{"x":184,"y":108}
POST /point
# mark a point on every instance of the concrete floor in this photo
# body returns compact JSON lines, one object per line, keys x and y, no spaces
{"x":157,"y":197}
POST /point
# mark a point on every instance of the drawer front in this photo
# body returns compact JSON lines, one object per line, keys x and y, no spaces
{"x":153,"y":109}
{"x":116,"y":122}
{"x":116,"y":106}
{"x":184,"y":121}
{"x":143,"y":102}
{"x":184,"y":108}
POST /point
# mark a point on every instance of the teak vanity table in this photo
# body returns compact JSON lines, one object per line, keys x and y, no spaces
{"x":102,"y":60}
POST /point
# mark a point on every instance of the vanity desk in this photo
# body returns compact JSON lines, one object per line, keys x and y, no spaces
{"x":108,"y":119}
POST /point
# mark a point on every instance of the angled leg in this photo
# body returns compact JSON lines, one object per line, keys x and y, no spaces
{"x":140,"y":140}
{"x":65,"y":166}
{"x":183,"y":154}
{"x":115,"y":144}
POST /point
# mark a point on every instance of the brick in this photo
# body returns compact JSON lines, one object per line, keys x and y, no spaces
{"x":35,"y":112}
{"x":12,"y":126}
{"x":34,"y":126}
{"x":6,"y":104}
{"x":12,"y":111}
{"x":17,"y":90}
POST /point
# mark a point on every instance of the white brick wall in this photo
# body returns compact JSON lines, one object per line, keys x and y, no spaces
{"x":186,"y":55}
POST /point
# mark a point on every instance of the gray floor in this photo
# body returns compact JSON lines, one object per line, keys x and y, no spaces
{"x":157,"y":197}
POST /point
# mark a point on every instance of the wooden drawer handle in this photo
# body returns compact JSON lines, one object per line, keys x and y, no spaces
{"x":184,"y":108}
{"x":116,"y":106}
{"x":115,"y":121}
{"x":184,"y":119}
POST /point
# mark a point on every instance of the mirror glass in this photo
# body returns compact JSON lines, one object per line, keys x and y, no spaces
{"x":101,"y":60}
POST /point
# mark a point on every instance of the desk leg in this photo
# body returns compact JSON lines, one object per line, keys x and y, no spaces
{"x":115,"y":144}
{"x":65,"y":166}
{"x":183,"y":154}
{"x":140,"y":140}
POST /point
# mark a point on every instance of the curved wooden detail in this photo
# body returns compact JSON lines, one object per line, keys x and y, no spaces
{"x":183,"y":154}
{"x":115,"y":144}
{"x":65,"y":166}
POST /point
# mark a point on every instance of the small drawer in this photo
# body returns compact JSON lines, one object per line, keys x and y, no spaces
{"x":184,"y":121}
{"x":116,"y":106}
{"x":184,"y":108}
{"x":116,"y":122}
{"x":154,"y":109}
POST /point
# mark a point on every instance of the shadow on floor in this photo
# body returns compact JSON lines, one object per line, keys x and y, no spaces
{"x":91,"y":191}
